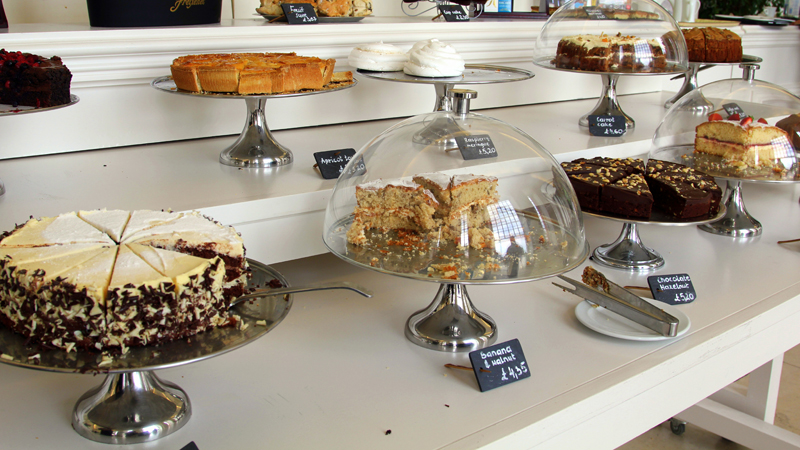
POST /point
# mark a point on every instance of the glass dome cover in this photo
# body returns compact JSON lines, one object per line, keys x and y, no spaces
{"x":635,"y":37}
{"x":737,"y":137}
{"x":428,"y":204}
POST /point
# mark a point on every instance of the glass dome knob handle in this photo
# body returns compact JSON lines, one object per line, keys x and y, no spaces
{"x":749,"y":71}
{"x":460,"y":98}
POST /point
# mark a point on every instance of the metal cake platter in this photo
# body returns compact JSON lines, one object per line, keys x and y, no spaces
{"x":473,"y":74}
{"x":608,"y":105}
{"x":628,"y":252}
{"x":546,"y":252}
{"x":736,"y":222}
{"x":133,"y":405}
{"x":8,"y":110}
{"x":256,"y":147}
{"x":271,"y":309}
{"x":690,"y":80}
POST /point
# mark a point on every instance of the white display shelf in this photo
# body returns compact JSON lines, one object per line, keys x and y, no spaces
{"x":278,"y":211}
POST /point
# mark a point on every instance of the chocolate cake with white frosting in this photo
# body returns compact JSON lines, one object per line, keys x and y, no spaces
{"x":113,"y":279}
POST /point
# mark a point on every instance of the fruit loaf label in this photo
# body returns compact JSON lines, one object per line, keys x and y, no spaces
{"x":332,"y":162}
{"x":299,"y":13}
{"x":673,"y":289}
{"x":476,"y":146}
{"x":609,"y":126}
{"x":499,"y":365}
{"x":453,"y":13}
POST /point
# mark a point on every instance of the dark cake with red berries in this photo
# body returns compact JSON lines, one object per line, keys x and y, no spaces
{"x":32,"y":80}
{"x":625,"y":187}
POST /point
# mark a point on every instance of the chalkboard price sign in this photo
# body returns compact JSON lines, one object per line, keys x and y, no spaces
{"x":499,"y":365}
{"x":608,"y":126}
{"x":673,"y":289}
{"x":331,"y":163}
{"x":299,"y":13}
{"x":190,"y":446}
{"x":595,"y":14}
{"x":476,"y":146}
{"x":453,"y":13}
{"x":732,"y":108}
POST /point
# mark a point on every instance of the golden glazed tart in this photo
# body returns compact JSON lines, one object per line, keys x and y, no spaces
{"x":253,"y":73}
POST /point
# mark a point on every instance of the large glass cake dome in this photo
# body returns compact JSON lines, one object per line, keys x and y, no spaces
{"x":728,"y":129}
{"x":612,"y":36}
{"x":456,"y":197}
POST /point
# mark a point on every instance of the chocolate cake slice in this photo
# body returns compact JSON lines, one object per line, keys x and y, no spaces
{"x":32,"y":80}
{"x":629,"y":196}
{"x":591,"y":177}
{"x":681,"y":191}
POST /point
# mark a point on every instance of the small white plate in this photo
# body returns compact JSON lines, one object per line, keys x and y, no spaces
{"x":612,"y":324}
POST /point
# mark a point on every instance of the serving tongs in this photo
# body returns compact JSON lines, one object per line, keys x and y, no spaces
{"x":627,"y":304}
{"x":297,"y":289}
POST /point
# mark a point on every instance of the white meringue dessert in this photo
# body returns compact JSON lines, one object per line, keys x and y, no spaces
{"x":378,"y":57}
{"x":433,"y":58}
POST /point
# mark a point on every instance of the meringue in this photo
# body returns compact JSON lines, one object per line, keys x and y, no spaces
{"x":433,"y":58}
{"x":378,"y":57}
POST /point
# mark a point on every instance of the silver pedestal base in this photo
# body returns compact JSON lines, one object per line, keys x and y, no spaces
{"x":737,"y":222}
{"x":440,"y":131}
{"x":131,"y":408}
{"x":628,"y":252}
{"x":608,"y":104}
{"x":698,"y":105}
{"x":256,"y":147}
{"x":451,"y":323}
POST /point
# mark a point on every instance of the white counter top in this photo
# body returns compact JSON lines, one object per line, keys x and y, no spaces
{"x":338,"y":372}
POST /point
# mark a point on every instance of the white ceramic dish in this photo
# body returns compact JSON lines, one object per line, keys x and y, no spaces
{"x":611,"y":324}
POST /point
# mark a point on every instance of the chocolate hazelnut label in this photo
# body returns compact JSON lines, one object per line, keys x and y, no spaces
{"x":674,"y":289}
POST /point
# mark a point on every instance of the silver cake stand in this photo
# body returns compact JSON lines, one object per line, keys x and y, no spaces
{"x":628,"y":252}
{"x":256,"y":146}
{"x":451,"y":323}
{"x":8,"y":110}
{"x":473,"y":74}
{"x":607,"y":105}
{"x":133,"y":405}
{"x":700,"y":104}
{"x":736,"y":222}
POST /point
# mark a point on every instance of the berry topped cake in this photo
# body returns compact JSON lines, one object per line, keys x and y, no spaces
{"x":741,"y":145}
{"x":105,"y":280}
{"x":32,"y":80}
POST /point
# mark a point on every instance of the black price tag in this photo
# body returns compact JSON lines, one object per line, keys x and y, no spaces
{"x":499,"y":365}
{"x":673,"y":289}
{"x":608,"y":126}
{"x":299,"y":13}
{"x":190,"y":446}
{"x":453,"y":13}
{"x":732,"y":108}
{"x":476,"y":146}
{"x":331,"y":163}
{"x":595,"y":14}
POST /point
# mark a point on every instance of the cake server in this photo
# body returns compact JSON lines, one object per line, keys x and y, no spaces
{"x":627,"y":304}
{"x":297,"y":289}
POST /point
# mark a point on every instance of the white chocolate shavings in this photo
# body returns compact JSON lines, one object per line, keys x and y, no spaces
{"x":261,"y":323}
{"x":6,"y":357}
